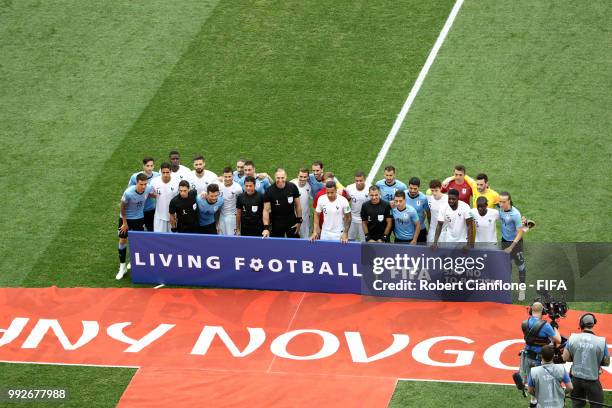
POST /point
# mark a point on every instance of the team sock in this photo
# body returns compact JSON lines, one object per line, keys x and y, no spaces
{"x":122,"y":253}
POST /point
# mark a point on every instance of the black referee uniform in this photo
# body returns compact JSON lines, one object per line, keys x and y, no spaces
{"x":282,"y":210}
{"x":251,"y":213}
{"x":376,"y":216}
{"x":186,"y":211}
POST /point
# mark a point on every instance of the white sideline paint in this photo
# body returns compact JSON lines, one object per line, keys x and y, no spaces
{"x":413,"y":92}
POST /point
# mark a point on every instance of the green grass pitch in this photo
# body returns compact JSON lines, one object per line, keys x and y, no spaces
{"x":520,"y":90}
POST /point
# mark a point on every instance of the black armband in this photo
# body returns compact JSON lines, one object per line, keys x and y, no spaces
{"x":266,"y":228}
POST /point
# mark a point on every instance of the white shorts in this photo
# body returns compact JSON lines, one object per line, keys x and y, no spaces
{"x":160,"y":225}
{"x":330,"y":236}
{"x":356,"y":232}
{"x":305,"y":228}
{"x":227,"y":224}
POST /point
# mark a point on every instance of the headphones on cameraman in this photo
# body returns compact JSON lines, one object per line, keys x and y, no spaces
{"x":581,"y":323}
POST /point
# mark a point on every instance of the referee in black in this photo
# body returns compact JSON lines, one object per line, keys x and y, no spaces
{"x":184,"y":210}
{"x":282,"y":216}
{"x":249,"y":210}
{"x":376,"y":217}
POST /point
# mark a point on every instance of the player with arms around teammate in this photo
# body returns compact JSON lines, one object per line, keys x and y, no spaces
{"x":588,"y":352}
{"x":455,"y":222}
{"x":301,"y":183}
{"x":282,"y":215}
{"x":436,"y":202}
{"x":262,"y":180}
{"x":200,"y":177}
{"x":131,"y":216}
{"x":465,"y":187}
{"x":376,"y":217}
{"x":209,"y":209}
{"x":357,"y":194}
{"x":418,"y":201}
{"x":337,"y":219}
{"x":183,"y":210}
{"x":537,"y":333}
{"x":229,"y":190}
{"x":483,"y":190}
{"x":545,"y":381}
{"x":165,"y":189}
{"x":485,"y":223}
{"x":389,"y":185}
{"x":249,"y":210}
{"x":148,"y":164}
{"x":406,"y":224}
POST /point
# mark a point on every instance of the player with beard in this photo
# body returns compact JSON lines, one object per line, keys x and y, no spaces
{"x":262,"y":180}
{"x":229,"y":190}
{"x":389,"y":185}
{"x":418,"y":201}
{"x":455,"y":222}
{"x":200,"y":178}
{"x":209,"y":209}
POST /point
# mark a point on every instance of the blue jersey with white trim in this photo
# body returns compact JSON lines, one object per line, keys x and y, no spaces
{"x":404,"y":222}
{"x":150,"y":203}
{"x":387,"y":192}
{"x":134,"y":202}
{"x":420,"y":204}
{"x":207,"y":210}
{"x":511,"y":221}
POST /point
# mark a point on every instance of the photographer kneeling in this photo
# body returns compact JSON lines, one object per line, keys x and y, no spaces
{"x":545,"y":381}
{"x":537,"y":333}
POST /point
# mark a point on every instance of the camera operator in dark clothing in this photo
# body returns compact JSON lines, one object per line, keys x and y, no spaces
{"x":537,"y":333}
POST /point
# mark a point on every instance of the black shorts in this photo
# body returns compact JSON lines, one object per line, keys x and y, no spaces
{"x":517,"y":251}
{"x":422,"y":235}
{"x":282,"y":228}
{"x":133,"y":225}
{"x":251,"y":231}
{"x":148,"y":219}
{"x":210,"y":229}
{"x":402,"y":241}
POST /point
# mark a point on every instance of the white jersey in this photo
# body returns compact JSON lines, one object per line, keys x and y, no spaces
{"x":357,"y":197}
{"x":305,"y":203}
{"x":454,"y":228}
{"x":200,"y":184}
{"x":435,"y":207}
{"x":486,"y":226}
{"x":165,"y":192}
{"x":333,"y":212}
{"x":230,"y":195}
{"x":183,"y":173}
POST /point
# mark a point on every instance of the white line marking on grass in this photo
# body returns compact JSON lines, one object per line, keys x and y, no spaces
{"x":288,"y":327}
{"x":159,"y":286}
{"x":68,"y":364}
{"x":413,"y":92}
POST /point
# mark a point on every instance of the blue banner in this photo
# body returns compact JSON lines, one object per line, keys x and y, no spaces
{"x":299,"y":265}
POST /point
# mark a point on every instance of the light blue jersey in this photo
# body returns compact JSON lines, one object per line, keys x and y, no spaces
{"x":420,"y":204}
{"x":134,"y":202}
{"x":260,"y":185}
{"x":404,"y":223}
{"x":150,"y":203}
{"x":315,"y":185}
{"x":207,"y":210}
{"x":238,"y":178}
{"x":510,"y":223}
{"x":387,"y":192}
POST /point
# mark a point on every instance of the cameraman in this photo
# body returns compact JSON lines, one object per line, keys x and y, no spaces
{"x":545,"y":381}
{"x":537,"y":333}
{"x":588,"y":352}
